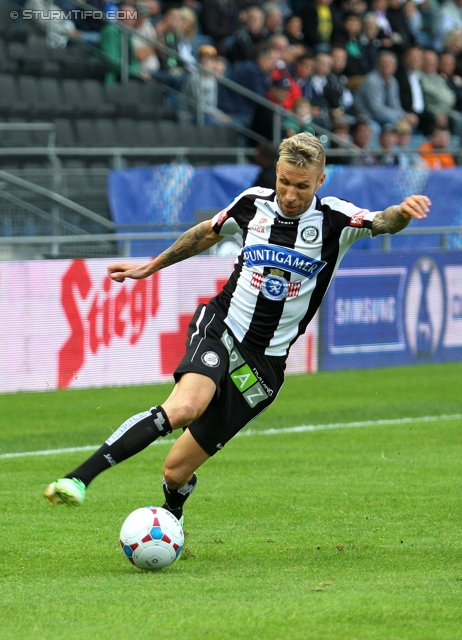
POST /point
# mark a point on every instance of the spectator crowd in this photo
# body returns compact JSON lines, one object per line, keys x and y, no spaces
{"x":378,"y":73}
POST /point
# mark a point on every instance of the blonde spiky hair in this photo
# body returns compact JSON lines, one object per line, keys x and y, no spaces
{"x":302,"y":150}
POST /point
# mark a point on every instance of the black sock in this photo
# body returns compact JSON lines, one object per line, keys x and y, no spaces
{"x":134,"y":435}
{"x":175,"y":498}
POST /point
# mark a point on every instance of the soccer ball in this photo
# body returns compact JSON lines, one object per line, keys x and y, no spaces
{"x":151,"y":538}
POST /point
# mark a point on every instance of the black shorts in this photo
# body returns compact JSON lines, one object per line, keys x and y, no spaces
{"x":247,"y":382}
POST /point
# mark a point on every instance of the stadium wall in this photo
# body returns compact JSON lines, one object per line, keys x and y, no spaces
{"x":65,"y":324}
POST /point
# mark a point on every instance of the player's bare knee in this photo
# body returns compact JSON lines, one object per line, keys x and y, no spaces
{"x":184,"y":413}
{"x":174,"y":476}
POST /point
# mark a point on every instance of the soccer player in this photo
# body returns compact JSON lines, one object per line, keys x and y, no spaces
{"x":238,"y":343}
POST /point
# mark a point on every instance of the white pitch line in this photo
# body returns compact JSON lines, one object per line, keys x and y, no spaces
{"x":304,"y":428}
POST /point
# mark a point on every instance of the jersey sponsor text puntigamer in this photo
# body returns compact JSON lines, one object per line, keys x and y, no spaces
{"x":285,"y":267}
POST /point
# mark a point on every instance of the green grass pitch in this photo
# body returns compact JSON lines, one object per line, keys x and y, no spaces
{"x":341,"y":533}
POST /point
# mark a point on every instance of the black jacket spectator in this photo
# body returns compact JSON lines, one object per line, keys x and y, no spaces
{"x":219,"y":20}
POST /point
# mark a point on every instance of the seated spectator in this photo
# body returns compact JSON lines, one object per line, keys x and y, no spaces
{"x":388,"y":140}
{"x":348,"y":36}
{"x":378,"y":97}
{"x":406,"y":157}
{"x":87,"y":26}
{"x":254,"y":75}
{"x":339,"y":60}
{"x":263,"y":120}
{"x":379,"y":9}
{"x":341,"y":128}
{"x":274,"y":20}
{"x":361,"y":133}
{"x":188,"y":42}
{"x":280,"y":44}
{"x":416,"y":24}
{"x":402,"y":36}
{"x":302,"y":72}
{"x":219,"y":20}
{"x":266,"y":156}
{"x":302,"y":109}
{"x":172,"y":66}
{"x":58,"y":30}
{"x":111,"y":45}
{"x":435,"y":152}
{"x":372,"y":41}
{"x":201,"y":86}
{"x":145,"y":51}
{"x":449,"y":17}
{"x":318,"y":24}
{"x":411,"y":92}
{"x":439,"y":98}
{"x":245,"y":38}
{"x":447,"y":70}
{"x":326,"y":91}
{"x":453,"y":44}
{"x":293,"y":30}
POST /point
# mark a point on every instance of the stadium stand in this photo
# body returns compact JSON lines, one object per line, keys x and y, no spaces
{"x":94,"y":126}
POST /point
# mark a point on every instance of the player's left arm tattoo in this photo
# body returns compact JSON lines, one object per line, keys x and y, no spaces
{"x":391,"y":220}
{"x":398,"y":216}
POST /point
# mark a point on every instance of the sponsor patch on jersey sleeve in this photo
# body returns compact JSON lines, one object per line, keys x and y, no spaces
{"x":224,"y":224}
{"x":362,"y":218}
{"x":219,"y":218}
{"x":357,"y":219}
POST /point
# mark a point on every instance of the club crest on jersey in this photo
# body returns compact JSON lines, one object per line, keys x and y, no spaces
{"x":280,"y":257}
{"x":310,"y":234}
{"x":274,"y":286}
{"x":357,"y":220}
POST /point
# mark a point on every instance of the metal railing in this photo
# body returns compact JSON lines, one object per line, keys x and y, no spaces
{"x":120,"y":243}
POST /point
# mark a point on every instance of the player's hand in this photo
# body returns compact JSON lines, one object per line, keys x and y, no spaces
{"x":122,"y":270}
{"x":415,"y":207}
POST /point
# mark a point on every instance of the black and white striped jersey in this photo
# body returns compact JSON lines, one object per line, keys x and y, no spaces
{"x":285,"y":267}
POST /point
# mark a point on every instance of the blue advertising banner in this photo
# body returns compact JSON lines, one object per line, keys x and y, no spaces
{"x":167,"y":195}
{"x":390,"y":309}
{"x":170,"y":194}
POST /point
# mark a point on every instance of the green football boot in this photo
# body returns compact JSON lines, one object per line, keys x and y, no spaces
{"x":68,"y":491}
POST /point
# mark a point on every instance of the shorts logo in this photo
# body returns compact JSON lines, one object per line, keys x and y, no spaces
{"x":210,"y":359}
{"x":310,"y":234}
{"x":243,"y":377}
{"x":357,"y":220}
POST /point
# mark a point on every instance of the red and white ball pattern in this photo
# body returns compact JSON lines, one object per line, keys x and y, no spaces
{"x":151,"y":538}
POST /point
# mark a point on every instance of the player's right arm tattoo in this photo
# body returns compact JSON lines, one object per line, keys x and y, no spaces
{"x":390,"y":220}
{"x":190,"y":243}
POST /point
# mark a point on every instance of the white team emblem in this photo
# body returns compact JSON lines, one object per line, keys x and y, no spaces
{"x":210,"y":359}
{"x":310,"y":234}
{"x":274,"y":287}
